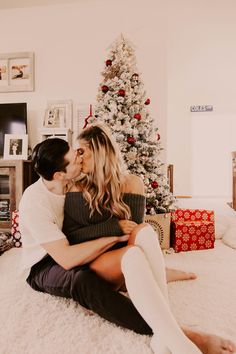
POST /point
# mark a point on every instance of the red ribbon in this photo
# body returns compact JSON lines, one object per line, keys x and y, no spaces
{"x":89,"y":116}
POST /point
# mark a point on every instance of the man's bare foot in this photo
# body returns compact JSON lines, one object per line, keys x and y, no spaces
{"x":210,"y":343}
{"x":175,"y":274}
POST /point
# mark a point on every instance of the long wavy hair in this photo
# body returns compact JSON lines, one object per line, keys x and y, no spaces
{"x":102,"y":187}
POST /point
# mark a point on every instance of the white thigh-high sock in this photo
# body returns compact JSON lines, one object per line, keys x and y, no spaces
{"x":147,"y":240}
{"x":151,"y":303}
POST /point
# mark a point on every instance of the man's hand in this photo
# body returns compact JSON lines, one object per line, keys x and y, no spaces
{"x":127,"y":226}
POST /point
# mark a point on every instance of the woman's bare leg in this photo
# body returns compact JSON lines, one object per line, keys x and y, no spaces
{"x":210,"y":343}
{"x":176,"y":274}
{"x":108,"y":267}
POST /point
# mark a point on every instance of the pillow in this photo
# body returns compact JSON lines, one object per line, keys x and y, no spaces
{"x":230,"y":237}
{"x":222,"y":224}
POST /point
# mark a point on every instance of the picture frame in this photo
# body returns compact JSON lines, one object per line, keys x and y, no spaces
{"x":17,"y":72}
{"x":51,"y":118}
{"x":15,"y":147}
{"x":64,"y":108}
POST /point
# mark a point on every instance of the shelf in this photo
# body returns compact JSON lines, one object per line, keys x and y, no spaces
{"x":62,"y":133}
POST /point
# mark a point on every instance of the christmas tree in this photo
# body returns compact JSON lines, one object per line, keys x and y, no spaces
{"x":123,"y":106}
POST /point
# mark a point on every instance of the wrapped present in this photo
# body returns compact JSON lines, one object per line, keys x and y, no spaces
{"x":161,"y":224}
{"x":192,"y":229}
{"x":15,"y":229}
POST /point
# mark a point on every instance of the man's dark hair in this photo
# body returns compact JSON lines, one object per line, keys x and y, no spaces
{"x":49,"y":157}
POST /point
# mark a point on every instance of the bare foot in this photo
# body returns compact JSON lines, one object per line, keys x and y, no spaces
{"x":175,"y":274}
{"x":210,"y":343}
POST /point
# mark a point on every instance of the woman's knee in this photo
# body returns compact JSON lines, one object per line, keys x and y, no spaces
{"x":135,"y":232}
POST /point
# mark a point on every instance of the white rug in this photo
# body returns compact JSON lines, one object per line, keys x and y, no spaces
{"x":36,"y":323}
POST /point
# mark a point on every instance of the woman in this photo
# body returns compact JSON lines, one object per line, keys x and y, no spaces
{"x":102,"y":204}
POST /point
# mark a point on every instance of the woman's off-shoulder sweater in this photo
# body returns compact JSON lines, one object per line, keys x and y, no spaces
{"x":79,"y":226}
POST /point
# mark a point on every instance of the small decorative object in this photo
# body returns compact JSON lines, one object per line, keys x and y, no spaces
{"x":15,"y":231}
{"x":121,"y":93}
{"x":108,"y":62}
{"x":104,"y":88}
{"x":161,"y":224}
{"x":88,"y":117}
{"x":158,"y":136}
{"x":192,"y":229}
{"x":51,"y":119}
{"x":17,"y":72}
{"x":16,"y":147}
{"x":84,"y":111}
{"x":147,"y":102}
{"x":154,"y":184}
{"x":201,"y":108}
{"x":131,"y":140}
{"x":137,"y":116}
{"x":6,"y":242}
{"x":134,"y":80}
{"x":60,"y":113}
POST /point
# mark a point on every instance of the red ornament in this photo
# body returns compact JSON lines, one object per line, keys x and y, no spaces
{"x":105,"y":88}
{"x":147,"y":101}
{"x":158,"y":136}
{"x":108,"y":62}
{"x":131,"y":140}
{"x":154,"y":184}
{"x":121,"y":93}
{"x":137,"y":116}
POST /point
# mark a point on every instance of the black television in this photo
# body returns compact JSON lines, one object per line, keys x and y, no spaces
{"x":13,"y":120}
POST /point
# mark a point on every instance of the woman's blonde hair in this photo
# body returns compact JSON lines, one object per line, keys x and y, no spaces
{"x":103,"y":186}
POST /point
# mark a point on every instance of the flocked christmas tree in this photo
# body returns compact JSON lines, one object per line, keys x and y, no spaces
{"x":123,"y":106}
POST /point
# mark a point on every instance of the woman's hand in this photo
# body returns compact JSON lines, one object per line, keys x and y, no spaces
{"x":123,"y":238}
{"x":127,"y":226}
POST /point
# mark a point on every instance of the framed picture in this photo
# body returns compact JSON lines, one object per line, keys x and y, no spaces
{"x":17,"y":72}
{"x":52,"y":118}
{"x":15,"y":147}
{"x":64,"y":109}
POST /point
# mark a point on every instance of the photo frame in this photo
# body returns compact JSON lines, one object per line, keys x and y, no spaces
{"x":15,"y":147}
{"x":17,"y":72}
{"x":64,"y":108}
{"x":51,"y":118}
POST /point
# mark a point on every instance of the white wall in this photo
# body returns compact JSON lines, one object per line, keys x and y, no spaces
{"x":201,"y":70}
{"x":185,"y":50}
{"x":71,"y":41}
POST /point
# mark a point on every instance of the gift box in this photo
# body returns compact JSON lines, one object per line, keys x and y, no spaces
{"x":161,"y":224}
{"x":192,"y":229}
{"x":15,"y":229}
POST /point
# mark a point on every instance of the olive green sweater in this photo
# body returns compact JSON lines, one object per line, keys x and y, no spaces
{"x":79,"y":226}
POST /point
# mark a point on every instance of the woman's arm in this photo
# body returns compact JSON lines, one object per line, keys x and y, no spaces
{"x":92,"y":231}
{"x":134,"y":197}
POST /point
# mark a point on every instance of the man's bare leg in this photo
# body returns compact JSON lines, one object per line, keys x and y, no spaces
{"x":209,"y":343}
{"x":175,"y":275}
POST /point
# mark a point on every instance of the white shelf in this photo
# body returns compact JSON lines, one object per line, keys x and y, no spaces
{"x":63,"y":133}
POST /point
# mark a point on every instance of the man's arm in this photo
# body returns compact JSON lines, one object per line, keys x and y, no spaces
{"x":71,"y":256}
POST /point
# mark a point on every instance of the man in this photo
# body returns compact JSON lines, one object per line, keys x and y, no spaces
{"x":52,"y":265}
